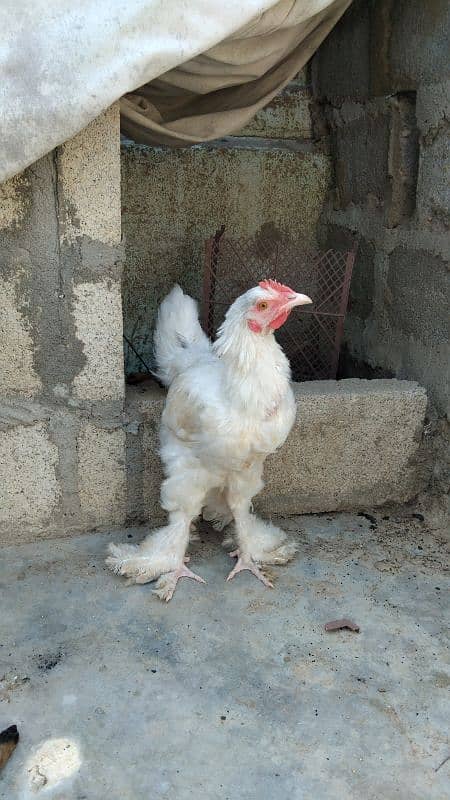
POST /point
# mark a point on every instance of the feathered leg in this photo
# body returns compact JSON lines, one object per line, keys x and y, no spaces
{"x":259,"y":542}
{"x":216,"y":510}
{"x":161,"y":556}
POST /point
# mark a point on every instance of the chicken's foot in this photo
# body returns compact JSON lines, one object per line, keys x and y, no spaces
{"x":167,"y":583}
{"x":247,"y":563}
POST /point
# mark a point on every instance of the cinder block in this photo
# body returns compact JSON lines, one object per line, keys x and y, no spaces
{"x":101,"y":475}
{"x":29,"y":490}
{"x":341,"y":66}
{"x":89,"y":181}
{"x":417,"y":37}
{"x":433,"y":108}
{"x":383,"y":47}
{"x":433,"y":185}
{"x":419,"y":285}
{"x":354,"y":444}
{"x":17,"y":372}
{"x":361,"y":136}
{"x":14,"y":201}
{"x":97,"y":311}
{"x":286,"y":117}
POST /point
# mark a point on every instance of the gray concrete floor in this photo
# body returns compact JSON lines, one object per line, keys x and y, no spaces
{"x":232,"y":690}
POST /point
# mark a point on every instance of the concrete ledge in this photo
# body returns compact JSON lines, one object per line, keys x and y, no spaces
{"x":355,"y":444}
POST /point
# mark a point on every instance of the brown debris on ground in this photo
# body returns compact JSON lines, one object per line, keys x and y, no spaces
{"x":8,"y":742}
{"x":339,"y":624}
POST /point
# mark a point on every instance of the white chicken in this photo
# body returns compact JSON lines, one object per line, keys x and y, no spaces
{"x":229,"y":405}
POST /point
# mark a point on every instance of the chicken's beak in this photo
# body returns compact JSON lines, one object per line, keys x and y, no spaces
{"x":298,"y":300}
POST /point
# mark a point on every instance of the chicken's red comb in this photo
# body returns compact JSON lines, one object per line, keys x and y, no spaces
{"x":276,"y":287}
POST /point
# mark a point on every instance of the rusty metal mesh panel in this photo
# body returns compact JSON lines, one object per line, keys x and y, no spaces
{"x":312,"y":336}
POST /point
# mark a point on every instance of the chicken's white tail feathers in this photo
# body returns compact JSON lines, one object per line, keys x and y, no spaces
{"x":179,"y":341}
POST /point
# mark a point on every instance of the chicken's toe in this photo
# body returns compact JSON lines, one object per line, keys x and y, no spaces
{"x":166,"y":584}
{"x":243,"y":563}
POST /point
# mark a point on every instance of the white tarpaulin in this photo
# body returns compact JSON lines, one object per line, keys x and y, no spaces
{"x":186,"y":70}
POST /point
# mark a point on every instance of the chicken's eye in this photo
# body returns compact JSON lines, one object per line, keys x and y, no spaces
{"x":263,"y":305}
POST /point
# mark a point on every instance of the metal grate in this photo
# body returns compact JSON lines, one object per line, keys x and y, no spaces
{"x":312,"y":336}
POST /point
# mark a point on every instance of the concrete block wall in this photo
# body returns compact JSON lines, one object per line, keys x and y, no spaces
{"x":62,"y":443}
{"x":75,"y":453}
{"x":381,"y":79}
{"x":268,"y":179}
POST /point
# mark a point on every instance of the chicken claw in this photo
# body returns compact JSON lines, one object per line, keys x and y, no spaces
{"x":166,"y":584}
{"x":247,"y":563}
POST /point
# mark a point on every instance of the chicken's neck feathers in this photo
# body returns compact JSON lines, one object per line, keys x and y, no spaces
{"x":257,"y":373}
